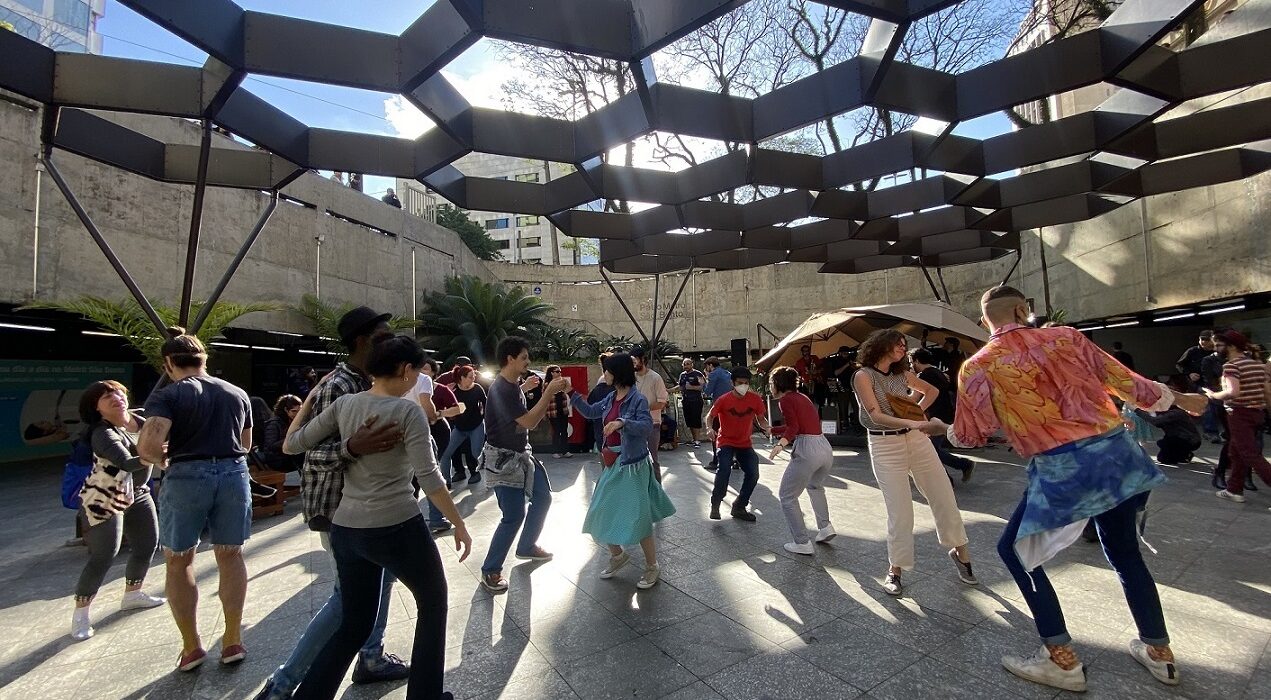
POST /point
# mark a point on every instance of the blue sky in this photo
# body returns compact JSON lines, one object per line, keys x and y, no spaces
{"x":477,"y":74}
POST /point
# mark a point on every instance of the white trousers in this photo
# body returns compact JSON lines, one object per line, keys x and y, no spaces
{"x":895,"y":458}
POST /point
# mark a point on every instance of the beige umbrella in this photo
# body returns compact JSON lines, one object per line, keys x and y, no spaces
{"x":931,"y":322}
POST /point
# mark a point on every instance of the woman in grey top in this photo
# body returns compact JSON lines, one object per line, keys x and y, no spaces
{"x":115,"y":501}
{"x":378,"y":525}
{"x":899,"y":448}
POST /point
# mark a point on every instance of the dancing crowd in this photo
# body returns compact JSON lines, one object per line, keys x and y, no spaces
{"x":385,"y":427}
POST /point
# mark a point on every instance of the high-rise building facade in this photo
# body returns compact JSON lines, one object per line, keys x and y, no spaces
{"x":521,"y":238}
{"x":64,"y":25}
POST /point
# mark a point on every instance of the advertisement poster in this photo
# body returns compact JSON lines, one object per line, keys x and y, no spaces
{"x":39,"y":404}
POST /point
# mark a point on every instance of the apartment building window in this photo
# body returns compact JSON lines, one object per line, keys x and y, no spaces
{"x":527,"y":177}
{"x":531,"y":242}
{"x":524,"y":221}
{"x":492,"y":224}
{"x":503,"y":245}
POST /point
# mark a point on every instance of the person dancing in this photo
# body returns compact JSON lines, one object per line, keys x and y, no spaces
{"x":628,"y":499}
{"x":899,"y":448}
{"x":378,"y":526}
{"x":115,"y":500}
{"x":1049,"y":390}
{"x":810,"y":461}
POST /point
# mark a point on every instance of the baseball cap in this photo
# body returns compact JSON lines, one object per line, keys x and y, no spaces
{"x":357,"y":322}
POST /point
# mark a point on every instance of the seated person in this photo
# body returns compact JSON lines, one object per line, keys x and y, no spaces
{"x":669,"y":439}
{"x":1182,"y":436}
{"x":274,"y":430}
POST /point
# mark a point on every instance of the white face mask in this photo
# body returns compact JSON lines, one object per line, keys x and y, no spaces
{"x":741,"y":389}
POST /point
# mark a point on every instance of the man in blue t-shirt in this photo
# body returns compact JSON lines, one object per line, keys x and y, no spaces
{"x":206,"y":424}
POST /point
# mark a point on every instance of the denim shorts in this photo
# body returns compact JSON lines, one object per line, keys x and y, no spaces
{"x":212,"y":494}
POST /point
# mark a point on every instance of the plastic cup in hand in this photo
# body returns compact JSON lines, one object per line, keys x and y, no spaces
{"x":463,"y":407}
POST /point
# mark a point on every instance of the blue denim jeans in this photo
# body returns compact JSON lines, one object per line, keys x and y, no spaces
{"x":323,"y":627}
{"x":475,"y":439}
{"x":748,"y":460}
{"x":1119,"y":535}
{"x":205,"y":493}
{"x":512,"y":504}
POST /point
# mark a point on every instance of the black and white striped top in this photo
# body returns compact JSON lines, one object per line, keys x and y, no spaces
{"x":883,"y":384}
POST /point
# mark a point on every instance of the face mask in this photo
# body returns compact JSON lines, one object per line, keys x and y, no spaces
{"x":742,"y":389}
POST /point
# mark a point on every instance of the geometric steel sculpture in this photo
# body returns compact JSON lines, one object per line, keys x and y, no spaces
{"x":959,"y":214}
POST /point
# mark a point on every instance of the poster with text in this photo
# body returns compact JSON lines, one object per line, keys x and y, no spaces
{"x":39,"y":404}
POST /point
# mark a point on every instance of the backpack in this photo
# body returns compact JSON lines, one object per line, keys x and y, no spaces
{"x":75,"y":473}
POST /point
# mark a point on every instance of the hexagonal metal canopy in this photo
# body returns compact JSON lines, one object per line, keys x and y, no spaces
{"x":1116,"y":153}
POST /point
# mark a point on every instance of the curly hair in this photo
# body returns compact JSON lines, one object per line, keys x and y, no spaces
{"x":784,"y":379}
{"x":878,"y":345}
{"x":285,"y":403}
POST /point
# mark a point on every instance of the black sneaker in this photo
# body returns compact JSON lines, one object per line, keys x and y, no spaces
{"x":476,"y":477}
{"x":715,"y":511}
{"x":388,"y":667}
{"x":743,"y":514}
{"x":967,"y":470}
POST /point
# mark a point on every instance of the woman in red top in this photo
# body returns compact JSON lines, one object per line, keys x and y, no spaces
{"x":810,"y":461}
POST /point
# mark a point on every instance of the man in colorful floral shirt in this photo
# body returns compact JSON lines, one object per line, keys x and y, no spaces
{"x":1049,"y":390}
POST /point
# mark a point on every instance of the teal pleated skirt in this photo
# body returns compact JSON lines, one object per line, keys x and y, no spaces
{"x":626,"y":503}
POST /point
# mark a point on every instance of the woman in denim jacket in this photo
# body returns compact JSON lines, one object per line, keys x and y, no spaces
{"x":628,"y":500}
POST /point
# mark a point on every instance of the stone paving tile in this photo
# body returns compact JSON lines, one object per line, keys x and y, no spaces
{"x":853,"y":653}
{"x":776,"y":618}
{"x":637,"y":669}
{"x":776,"y":675}
{"x":734,"y":616}
{"x":709,"y":643}
{"x":931,"y":678}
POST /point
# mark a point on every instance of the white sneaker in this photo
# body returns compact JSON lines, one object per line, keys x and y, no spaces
{"x":1229,"y":496}
{"x":81,"y":625}
{"x":1039,"y":668}
{"x":1164,"y":671}
{"x":615,"y":563}
{"x":650,"y":578}
{"x":140,"y":600}
{"x":800,"y":548}
{"x":826,"y":534}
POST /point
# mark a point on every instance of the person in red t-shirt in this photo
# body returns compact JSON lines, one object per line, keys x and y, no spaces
{"x":737,"y":412}
{"x":810,"y":461}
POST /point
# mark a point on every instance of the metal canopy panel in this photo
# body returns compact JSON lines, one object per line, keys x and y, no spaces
{"x":948,"y":218}
{"x":27,"y":68}
{"x":440,"y":35}
{"x":689,"y":244}
{"x":302,"y":50}
{"x":215,"y":26}
{"x":127,"y":85}
{"x":93,"y":137}
{"x":607,"y":33}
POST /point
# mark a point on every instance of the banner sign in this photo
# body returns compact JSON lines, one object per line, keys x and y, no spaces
{"x":39,"y":404}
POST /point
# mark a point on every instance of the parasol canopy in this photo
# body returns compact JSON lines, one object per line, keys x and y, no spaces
{"x":931,"y":322}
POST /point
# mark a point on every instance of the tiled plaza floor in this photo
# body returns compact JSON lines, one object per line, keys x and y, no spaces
{"x":734,"y":617}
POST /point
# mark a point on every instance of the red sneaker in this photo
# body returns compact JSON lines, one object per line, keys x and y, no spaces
{"x":192,"y":660}
{"x":233,"y":654}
